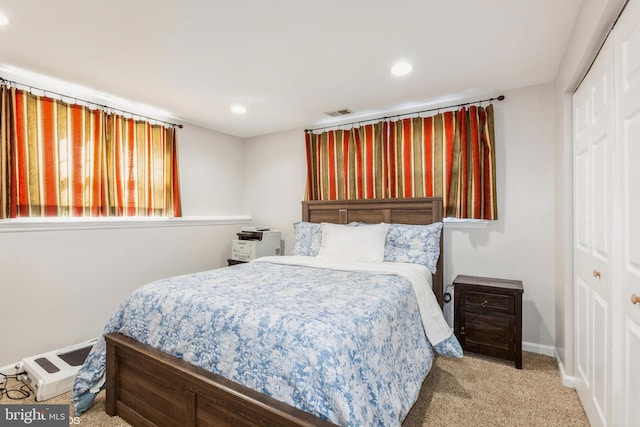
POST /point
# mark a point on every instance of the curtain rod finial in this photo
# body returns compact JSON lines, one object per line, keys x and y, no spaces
{"x":501,"y":98}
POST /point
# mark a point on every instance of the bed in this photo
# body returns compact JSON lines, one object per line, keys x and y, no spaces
{"x":163,"y":381}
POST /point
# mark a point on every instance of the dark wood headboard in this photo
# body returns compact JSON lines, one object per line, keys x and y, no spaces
{"x":419,"y":210}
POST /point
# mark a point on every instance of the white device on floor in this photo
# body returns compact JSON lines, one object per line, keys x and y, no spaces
{"x":53,"y":373}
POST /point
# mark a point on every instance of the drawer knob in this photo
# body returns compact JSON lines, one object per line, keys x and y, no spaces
{"x":596,"y":274}
{"x":462,"y":330}
{"x":484,"y":303}
{"x":635,"y":299}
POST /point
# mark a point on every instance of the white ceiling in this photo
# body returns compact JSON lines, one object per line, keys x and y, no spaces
{"x":287,"y":61}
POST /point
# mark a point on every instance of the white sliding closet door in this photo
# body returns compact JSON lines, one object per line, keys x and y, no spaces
{"x":594,"y":128}
{"x":627,"y":53}
{"x":606,"y":161}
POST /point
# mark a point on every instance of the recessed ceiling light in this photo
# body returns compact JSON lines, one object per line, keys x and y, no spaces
{"x":401,"y":68}
{"x":3,"y":19}
{"x":238,"y":109}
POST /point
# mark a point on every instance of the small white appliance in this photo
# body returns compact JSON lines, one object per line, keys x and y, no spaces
{"x":255,"y":242}
{"x":53,"y":373}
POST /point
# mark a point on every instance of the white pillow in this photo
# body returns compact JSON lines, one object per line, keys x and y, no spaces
{"x":365,"y":243}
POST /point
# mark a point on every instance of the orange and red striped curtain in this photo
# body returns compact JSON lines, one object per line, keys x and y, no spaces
{"x":346,"y":164}
{"x":449,"y":155}
{"x":60,"y":159}
{"x":142,"y":168}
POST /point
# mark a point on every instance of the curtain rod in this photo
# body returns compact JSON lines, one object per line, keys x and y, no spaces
{"x":95,"y":104}
{"x":498,"y":98}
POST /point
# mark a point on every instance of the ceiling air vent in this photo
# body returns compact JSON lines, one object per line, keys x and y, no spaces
{"x":336,"y":113}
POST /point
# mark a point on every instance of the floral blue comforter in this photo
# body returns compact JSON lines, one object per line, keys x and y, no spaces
{"x":346,"y":345}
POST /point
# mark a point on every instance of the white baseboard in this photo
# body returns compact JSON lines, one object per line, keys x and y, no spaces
{"x":547,"y":350}
{"x":567,"y":381}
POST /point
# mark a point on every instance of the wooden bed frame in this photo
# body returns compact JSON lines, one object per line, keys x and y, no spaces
{"x":147,"y":387}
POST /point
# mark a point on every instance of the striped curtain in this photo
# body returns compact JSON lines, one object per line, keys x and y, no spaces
{"x":449,"y":155}
{"x":5,"y":169}
{"x":472,"y":190}
{"x":142,"y":168}
{"x":346,"y":164}
{"x":56,"y":157}
{"x":56,"y":160}
{"x":420,"y":154}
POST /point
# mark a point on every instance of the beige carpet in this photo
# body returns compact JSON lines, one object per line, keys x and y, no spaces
{"x":473,"y":391}
{"x":477,"y":391}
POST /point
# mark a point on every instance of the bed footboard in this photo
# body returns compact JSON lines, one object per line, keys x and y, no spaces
{"x":148,"y":387}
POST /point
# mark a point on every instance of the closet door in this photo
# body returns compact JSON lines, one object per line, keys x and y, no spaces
{"x":593,"y":183}
{"x":627,"y":52}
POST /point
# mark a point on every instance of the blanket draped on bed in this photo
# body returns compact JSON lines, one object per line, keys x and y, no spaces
{"x":337,"y":341}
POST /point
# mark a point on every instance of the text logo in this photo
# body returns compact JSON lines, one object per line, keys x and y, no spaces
{"x":34,"y":415}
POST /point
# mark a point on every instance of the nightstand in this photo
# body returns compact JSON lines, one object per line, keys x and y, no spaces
{"x":488,"y":316}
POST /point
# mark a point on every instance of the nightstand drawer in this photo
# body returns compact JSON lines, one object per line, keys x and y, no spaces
{"x":489,"y":302}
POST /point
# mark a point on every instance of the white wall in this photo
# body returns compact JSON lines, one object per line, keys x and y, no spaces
{"x":211,"y":172}
{"x":518,"y":246}
{"x":275,"y":181}
{"x":59,"y":287}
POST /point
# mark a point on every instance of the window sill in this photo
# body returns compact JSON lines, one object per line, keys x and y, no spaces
{"x":459,"y":224}
{"x":58,"y":224}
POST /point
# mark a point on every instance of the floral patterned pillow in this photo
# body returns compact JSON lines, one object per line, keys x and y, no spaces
{"x":418,"y":244}
{"x":307,"y":238}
